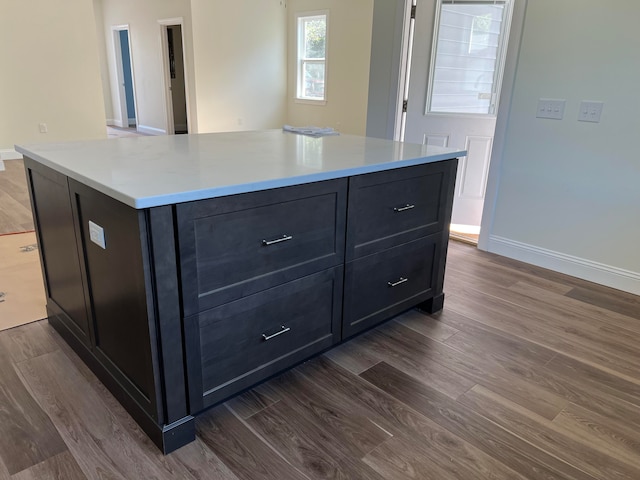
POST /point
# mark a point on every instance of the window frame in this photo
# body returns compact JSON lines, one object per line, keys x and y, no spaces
{"x":300,"y":18}
{"x":500,"y":63}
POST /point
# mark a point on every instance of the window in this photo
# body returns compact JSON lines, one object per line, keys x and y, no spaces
{"x":466,"y":69}
{"x":312,"y":57}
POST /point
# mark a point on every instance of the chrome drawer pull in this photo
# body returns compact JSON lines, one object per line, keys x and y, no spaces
{"x":408,"y":206}
{"x":284,"y":238}
{"x":399,"y":282}
{"x":269,"y":337}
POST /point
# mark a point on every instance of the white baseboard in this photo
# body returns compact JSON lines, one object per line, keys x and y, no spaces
{"x":111,"y":122}
{"x":10,"y":155}
{"x":600,"y":273}
{"x":151,"y":130}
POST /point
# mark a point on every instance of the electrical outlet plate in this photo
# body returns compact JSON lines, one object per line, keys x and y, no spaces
{"x":551,"y":108}
{"x":590,"y":111}
{"x":96,"y":234}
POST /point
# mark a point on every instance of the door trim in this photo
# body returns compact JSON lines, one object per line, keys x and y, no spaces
{"x":504,"y":108}
{"x":166,"y":78}
{"x":121,"y":100}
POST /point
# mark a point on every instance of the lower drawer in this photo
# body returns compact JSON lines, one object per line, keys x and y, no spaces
{"x":387,"y":283}
{"x":235,"y":345}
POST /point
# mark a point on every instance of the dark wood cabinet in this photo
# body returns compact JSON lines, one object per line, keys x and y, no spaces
{"x":234,"y":246}
{"x":237,"y":344}
{"x":186,"y":305}
{"x":389,"y":282}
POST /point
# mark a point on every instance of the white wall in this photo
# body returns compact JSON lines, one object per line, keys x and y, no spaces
{"x":568,"y":194}
{"x":50,"y":73}
{"x":348,"y":55}
{"x":240,"y":70}
{"x":384,"y":74}
{"x":104,"y":64}
{"x":146,"y":56}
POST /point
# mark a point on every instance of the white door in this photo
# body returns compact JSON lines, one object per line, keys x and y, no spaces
{"x":456,"y":72}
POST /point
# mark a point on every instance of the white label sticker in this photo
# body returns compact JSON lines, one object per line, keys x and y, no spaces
{"x":96,"y":233}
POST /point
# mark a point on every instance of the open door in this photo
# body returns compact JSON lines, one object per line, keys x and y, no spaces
{"x":458,"y":59}
{"x":175,"y":78}
{"x":126,"y":94}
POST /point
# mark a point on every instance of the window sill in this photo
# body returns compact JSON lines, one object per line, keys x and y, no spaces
{"x":308,"y":101}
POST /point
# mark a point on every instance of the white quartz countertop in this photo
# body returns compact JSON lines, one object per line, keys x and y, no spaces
{"x":147,"y":172}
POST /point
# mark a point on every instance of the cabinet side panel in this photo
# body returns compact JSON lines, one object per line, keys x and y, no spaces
{"x":118,"y":291}
{"x":54,"y":221}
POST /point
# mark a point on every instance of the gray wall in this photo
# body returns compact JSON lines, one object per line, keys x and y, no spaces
{"x":568,"y":192}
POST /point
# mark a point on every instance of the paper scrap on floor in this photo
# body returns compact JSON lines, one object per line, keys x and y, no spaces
{"x":312,"y":131}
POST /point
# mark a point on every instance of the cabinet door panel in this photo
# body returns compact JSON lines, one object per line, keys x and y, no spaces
{"x":235,"y":246}
{"x":382,"y":285}
{"x":120,"y":295}
{"x":58,"y":245}
{"x":393,"y":207}
{"x":245,"y":341}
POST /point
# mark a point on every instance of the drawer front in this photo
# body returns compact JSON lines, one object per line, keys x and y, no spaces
{"x":382,"y":285}
{"x":235,"y":345}
{"x":235,"y":246}
{"x":394,"y":207}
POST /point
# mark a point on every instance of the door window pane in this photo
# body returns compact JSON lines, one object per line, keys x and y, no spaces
{"x":467,"y":64}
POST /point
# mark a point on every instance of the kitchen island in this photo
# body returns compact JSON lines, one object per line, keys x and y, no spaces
{"x":186,"y":269}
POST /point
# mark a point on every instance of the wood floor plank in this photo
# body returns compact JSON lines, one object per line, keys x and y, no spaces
{"x":253,"y":401}
{"x":539,"y":328}
{"x":402,"y":458}
{"x":501,"y":348}
{"x":27,"y":341}
{"x":61,"y":467}
{"x":569,"y":385}
{"x":596,"y":378}
{"x":579,"y":307}
{"x":196,"y":458}
{"x":245,"y":454}
{"x":426,"y":325}
{"x":4,"y":473}
{"x":352,"y":357}
{"x":481,"y":267}
{"x":475,"y":366}
{"x":201,"y":462}
{"x":349,"y":429}
{"x":462,"y":421}
{"x":412,"y":354}
{"x":548,"y":436}
{"x":402,"y":421}
{"x":96,"y":437}
{"x":615,"y":438}
{"x":307,"y":445}
{"x":614,"y":300}
{"x":28,"y":436}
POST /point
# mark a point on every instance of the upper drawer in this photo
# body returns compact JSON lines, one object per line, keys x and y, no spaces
{"x":396,"y":206}
{"x":234,"y":246}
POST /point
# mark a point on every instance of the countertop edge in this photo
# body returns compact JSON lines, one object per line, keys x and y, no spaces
{"x":233,"y":189}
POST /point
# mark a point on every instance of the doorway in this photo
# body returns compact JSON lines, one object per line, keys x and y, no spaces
{"x":175,"y":76}
{"x":456,"y":71}
{"x":126,"y":100}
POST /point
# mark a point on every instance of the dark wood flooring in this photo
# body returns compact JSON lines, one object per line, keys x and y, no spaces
{"x":526,"y":374}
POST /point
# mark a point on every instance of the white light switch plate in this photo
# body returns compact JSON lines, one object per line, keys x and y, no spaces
{"x":96,"y":233}
{"x":551,"y":108}
{"x":590,"y":111}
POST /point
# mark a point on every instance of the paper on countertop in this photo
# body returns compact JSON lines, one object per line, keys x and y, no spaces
{"x":312,"y":131}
